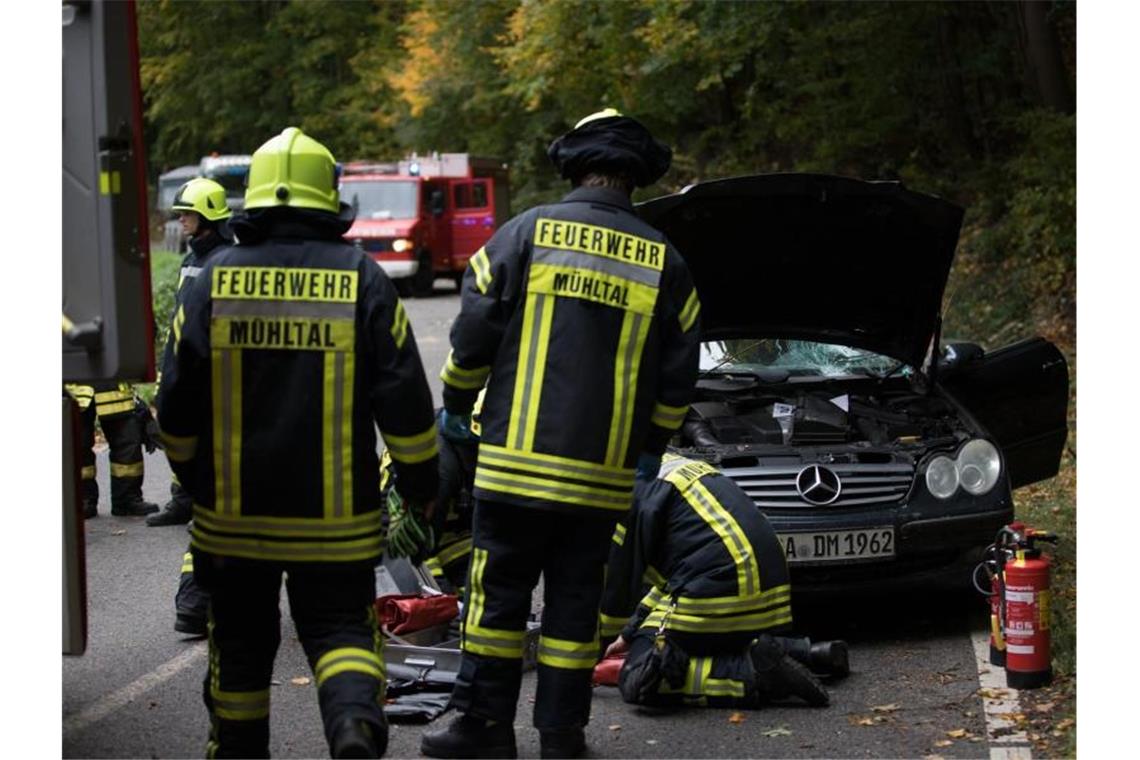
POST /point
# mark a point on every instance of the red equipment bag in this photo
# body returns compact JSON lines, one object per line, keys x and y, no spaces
{"x":406,"y":613}
{"x":606,"y":672}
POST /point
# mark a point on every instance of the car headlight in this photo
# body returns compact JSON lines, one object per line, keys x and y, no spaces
{"x":942,"y":477}
{"x":979,"y":466}
{"x":399,"y":245}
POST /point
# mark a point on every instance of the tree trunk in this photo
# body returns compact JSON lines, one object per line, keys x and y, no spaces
{"x":1043,"y":58}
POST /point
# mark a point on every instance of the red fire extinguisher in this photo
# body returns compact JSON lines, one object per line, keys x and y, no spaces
{"x":1020,"y":600}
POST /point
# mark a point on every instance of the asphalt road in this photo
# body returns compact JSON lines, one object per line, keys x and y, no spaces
{"x":914,"y":690}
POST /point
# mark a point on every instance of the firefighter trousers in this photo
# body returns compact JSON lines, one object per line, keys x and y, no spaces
{"x":191,"y":602}
{"x":332,"y":608}
{"x":689,"y":669}
{"x":124,"y":439}
{"x":512,"y":546}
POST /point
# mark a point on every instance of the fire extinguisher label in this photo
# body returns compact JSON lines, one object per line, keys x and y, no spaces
{"x":1043,"y":610}
{"x":1024,"y":597}
{"x":1021,"y":648}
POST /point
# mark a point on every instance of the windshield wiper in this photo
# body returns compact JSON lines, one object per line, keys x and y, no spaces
{"x":731,"y":358}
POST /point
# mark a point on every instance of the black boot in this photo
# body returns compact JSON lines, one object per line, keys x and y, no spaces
{"x":191,"y":604}
{"x":824,"y":658}
{"x":89,"y":510}
{"x":358,"y":738}
{"x":135,"y":507}
{"x":778,"y":676}
{"x":466,"y":736}
{"x":175,"y":512}
{"x":562,"y":742}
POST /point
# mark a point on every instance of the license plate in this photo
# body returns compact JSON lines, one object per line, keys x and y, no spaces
{"x":838,"y":545}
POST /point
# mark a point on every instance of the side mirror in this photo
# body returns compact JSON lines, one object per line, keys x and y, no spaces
{"x":960,"y":354}
{"x":435,"y":202}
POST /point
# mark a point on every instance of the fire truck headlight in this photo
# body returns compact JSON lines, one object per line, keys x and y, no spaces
{"x":942,"y":477}
{"x":979,"y":466}
{"x":399,"y":245}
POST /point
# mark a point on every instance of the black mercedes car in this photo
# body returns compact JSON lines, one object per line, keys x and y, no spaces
{"x":825,"y":392}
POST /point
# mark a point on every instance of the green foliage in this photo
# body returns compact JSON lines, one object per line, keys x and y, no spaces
{"x":226,"y":76}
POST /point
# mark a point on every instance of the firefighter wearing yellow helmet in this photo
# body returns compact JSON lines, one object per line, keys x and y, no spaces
{"x":202,"y":211}
{"x":582,"y":322}
{"x":291,"y":348}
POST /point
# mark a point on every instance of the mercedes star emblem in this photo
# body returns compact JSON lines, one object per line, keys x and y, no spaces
{"x":818,"y":485}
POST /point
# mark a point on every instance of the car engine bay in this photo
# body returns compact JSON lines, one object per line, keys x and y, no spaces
{"x":866,"y":420}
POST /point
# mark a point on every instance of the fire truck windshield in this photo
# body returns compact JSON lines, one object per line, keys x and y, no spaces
{"x":380,"y":199}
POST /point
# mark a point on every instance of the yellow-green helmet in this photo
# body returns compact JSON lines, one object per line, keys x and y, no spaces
{"x":293,"y":169}
{"x":204,"y":196}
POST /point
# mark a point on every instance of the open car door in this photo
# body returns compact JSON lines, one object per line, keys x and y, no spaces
{"x":1020,"y":395}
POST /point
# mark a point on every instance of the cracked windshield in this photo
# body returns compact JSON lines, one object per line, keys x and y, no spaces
{"x":797,"y":357}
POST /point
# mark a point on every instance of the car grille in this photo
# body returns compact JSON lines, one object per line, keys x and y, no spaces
{"x":860,"y":484}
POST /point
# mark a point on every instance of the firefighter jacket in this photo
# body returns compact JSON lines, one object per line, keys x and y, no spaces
{"x":112,"y":399}
{"x":286,"y":351}
{"x":709,"y":558}
{"x":200,"y":249}
{"x":585,"y":319}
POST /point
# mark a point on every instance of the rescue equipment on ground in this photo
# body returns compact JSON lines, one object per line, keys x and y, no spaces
{"x":1019,"y":598}
{"x":406,"y":613}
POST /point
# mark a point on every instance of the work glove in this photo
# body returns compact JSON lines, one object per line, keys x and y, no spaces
{"x":648,"y":465}
{"x":148,"y":427}
{"x":456,"y":427}
{"x":409,"y":533}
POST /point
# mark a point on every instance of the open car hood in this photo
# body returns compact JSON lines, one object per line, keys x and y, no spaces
{"x":814,"y":257}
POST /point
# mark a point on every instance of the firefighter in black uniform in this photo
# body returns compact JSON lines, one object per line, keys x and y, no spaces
{"x":717,"y":592}
{"x":120,"y":415}
{"x":202,"y":211}
{"x":585,"y":319}
{"x":288,"y":349}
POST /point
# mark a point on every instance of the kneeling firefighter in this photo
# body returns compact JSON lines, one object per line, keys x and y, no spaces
{"x":705,"y":631}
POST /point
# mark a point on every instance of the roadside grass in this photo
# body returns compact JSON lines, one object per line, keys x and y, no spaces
{"x":164,"y":266}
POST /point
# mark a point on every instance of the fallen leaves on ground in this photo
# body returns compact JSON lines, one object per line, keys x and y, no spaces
{"x":943,"y":742}
{"x":958,"y":733}
{"x":866,"y":720}
{"x":301,"y":681}
{"x":780,"y":731}
{"x":736,"y":717}
{"x":650,"y":741}
{"x":118,"y":533}
{"x":994,"y":693}
{"x":615,"y":727}
{"x":885,"y":708}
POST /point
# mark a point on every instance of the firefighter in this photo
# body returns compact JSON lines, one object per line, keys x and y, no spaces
{"x":202,"y":212}
{"x":585,"y":319}
{"x":288,"y":351}
{"x":718,"y":592}
{"x":119,"y":414}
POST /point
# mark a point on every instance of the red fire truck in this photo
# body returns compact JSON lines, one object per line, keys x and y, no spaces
{"x":425,"y":216}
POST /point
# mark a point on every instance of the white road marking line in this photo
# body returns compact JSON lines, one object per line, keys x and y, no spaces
{"x":999,"y":702}
{"x":132,"y":691}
